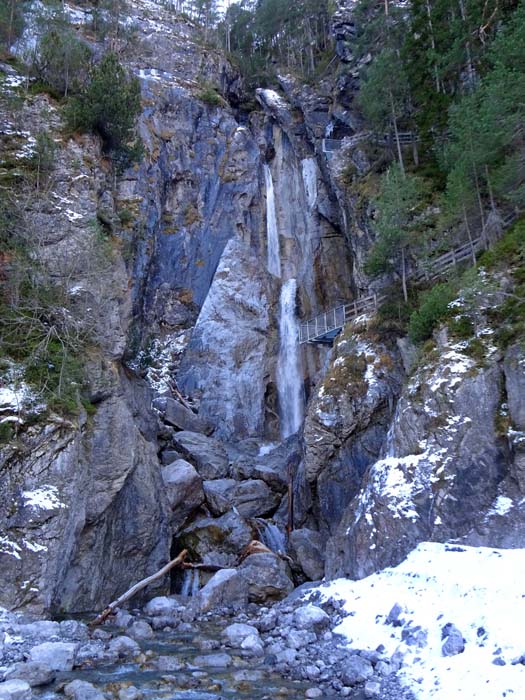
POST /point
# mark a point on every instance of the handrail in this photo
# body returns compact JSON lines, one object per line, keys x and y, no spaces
{"x":321,"y":326}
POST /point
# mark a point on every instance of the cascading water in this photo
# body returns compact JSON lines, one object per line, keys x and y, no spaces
{"x":274,"y":255}
{"x":272,"y":536}
{"x":190,"y":583}
{"x":289,"y":377}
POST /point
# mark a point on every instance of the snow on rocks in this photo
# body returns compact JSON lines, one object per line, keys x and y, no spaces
{"x":470,"y":614}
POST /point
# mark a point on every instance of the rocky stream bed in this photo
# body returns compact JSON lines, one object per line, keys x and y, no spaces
{"x":169,"y":650}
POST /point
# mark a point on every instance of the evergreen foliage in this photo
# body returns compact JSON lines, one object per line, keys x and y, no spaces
{"x":109,"y":106}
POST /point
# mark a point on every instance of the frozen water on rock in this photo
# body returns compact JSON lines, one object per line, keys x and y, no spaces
{"x":309,"y":169}
{"x":274,"y":255}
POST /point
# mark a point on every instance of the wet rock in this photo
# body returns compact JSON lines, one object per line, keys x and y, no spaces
{"x":122,"y":618}
{"x":169,"y":663}
{"x":40,"y":629}
{"x":58,"y":656}
{"x":206,"y":454}
{"x":234,"y":634}
{"x":129,"y":693}
{"x":307,"y":549}
{"x":161,"y":606}
{"x":124,"y":647}
{"x":226,"y":587}
{"x":267,"y":577}
{"x":310,"y":617}
{"x":15,"y":690}
{"x":82,"y":690}
{"x":213,"y":660}
{"x":140,"y":630}
{"x":313,"y":693}
{"x":94,"y":653}
{"x":356,"y":670}
{"x":73,"y":629}
{"x":36,"y":674}
{"x":183,"y":490}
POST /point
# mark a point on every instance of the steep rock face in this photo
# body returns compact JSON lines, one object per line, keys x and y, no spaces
{"x":226,"y":364}
{"x":83,"y":511}
{"x":446,"y":472}
{"x":347,"y":421}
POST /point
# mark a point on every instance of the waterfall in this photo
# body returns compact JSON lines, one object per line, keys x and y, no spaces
{"x":289,"y":379}
{"x":190,"y":583}
{"x":272,"y":536}
{"x":309,"y":169}
{"x":274,"y":256}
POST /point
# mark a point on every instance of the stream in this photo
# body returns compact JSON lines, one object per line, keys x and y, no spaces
{"x":185,"y":666}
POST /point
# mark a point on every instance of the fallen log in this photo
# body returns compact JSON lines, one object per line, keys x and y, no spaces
{"x":178,"y":561}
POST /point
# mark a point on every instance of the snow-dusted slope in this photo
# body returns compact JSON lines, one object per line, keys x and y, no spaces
{"x":480,"y":591}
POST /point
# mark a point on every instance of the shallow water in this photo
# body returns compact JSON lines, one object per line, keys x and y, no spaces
{"x":246,"y":679}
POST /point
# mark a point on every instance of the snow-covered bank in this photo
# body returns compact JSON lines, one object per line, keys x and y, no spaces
{"x":481,"y":591}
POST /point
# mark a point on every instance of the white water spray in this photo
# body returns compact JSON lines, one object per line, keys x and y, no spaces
{"x":274,"y":255}
{"x":190,"y":583}
{"x":289,"y":379}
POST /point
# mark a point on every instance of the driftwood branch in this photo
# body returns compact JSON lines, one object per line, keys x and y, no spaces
{"x":178,"y":561}
{"x":202,"y":567}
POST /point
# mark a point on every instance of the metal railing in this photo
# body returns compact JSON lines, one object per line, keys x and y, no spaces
{"x":325,"y":326}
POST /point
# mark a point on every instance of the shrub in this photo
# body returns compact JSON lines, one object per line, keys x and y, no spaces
{"x":109,"y":106}
{"x":433,"y":309}
{"x":62,"y":62}
{"x":209,"y":94}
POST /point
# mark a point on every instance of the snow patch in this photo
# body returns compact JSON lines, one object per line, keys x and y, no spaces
{"x":45,"y":498}
{"x":501,"y":506}
{"x":435,"y":585}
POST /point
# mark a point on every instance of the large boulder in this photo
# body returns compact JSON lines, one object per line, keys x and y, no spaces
{"x":267,"y":577}
{"x":58,"y":656}
{"x":226,"y":588}
{"x":206,"y":454}
{"x":183,"y":490}
{"x":252,"y":498}
{"x":307,"y":549}
{"x":217,"y":541}
{"x":15,"y":690}
{"x":180,"y":416}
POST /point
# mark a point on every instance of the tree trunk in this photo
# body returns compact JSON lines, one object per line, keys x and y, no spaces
{"x":404,"y":274}
{"x":138,"y":587}
{"x":396,"y":134}
{"x":467,"y":226}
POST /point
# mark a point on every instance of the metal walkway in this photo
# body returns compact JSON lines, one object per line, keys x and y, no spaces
{"x":326,"y":326}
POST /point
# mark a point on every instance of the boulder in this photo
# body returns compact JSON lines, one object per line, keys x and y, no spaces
{"x":267,"y":577}
{"x":82,"y":690}
{"x":307,"y":549}
{"x":31,"y":672}
{"x":454,"y":642}
{"x":124,"y":647}
{"x":58,"y":656}
{"x":252,"y":498}
{"x":218,"y":495}
{"x":356,"y":670}
{"x":15,"y":690}
{"x":206,"y":454}
{"x":217,"y":541}
{"x":236,"y":633}
{"x":227,"y":587}
{"x":181,"y":417}
{"x":183,"y":490}
{"x":221,"y":660}
{"x":311,"y":617}
{"x":161,"y":606}
{"x":140,"y":630}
